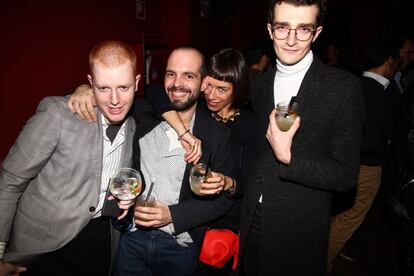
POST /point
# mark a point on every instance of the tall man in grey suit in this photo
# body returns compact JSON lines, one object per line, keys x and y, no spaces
{"x":285,"y":221}
{"x":54,"y":179}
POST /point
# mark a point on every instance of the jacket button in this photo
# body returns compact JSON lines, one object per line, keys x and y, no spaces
{"x":92,"y":209}
{"x":259,"y":179}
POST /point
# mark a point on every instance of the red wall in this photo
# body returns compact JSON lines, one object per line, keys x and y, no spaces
{"x":45,"y":45}
{"x":44,"y":49}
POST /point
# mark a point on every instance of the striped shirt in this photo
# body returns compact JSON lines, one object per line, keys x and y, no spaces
{"x":111,"y":160}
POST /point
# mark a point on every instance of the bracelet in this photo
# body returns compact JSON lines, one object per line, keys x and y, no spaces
{"x":232,"y":188}
{"x":181,"y":135}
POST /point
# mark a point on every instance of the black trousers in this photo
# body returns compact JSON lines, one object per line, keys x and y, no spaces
{"x":89,"y":253}
{"x":250,"y":260}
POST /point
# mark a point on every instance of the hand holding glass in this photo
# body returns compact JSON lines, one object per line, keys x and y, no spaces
{"x":198,"y":174}
{"x":125,"y":184}
{"x":286,"y":115}
{"x":146,"y":202}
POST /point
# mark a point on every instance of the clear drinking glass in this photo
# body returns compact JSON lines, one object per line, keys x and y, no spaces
{"x":143,"y":201}
{"x":126,"y":184}
{"x":286,"y":115}
{"x":197,"y":176}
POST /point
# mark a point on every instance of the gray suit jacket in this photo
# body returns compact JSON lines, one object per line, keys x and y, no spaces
{"x":50,"y":182}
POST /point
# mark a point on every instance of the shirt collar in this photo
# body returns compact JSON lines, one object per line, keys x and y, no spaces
{"x":383,"y":81}
{"x":106,"y":123}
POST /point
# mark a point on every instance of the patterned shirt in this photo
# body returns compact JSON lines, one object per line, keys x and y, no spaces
{"x":162,"y":162}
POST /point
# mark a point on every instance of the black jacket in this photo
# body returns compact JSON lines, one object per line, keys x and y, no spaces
{"x":296,"y":208}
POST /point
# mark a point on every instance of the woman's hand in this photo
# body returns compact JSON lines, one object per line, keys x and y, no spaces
{"x":192,"y":146}
{"x":214,"y":184}
{"x":82,"y":103}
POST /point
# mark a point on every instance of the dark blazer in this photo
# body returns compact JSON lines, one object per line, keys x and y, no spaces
{"x":325,"y":158}
{"x":405,"y":126}
{"x":192,"y":213}
{"x":381,"y":108}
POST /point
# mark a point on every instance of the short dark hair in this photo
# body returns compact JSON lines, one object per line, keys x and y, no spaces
{"x":203,"y":67}
{"x":256,"y":49}
{"x":322,"y":5}
{"x":230,"y":66}
{"x":380,"y":51}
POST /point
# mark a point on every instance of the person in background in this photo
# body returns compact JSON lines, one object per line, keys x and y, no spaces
{"x":405,"y":72}
{"x":403,"y":80}
{"x":339,"y":55}
{"x":382,"y":101}
{"x":287,"y":202}
{"x":406,"y":226}
{"x":258,"y":57}
{"x":54,"y":180}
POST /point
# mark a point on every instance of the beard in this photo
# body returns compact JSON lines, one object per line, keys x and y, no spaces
{"x":182,"y":106}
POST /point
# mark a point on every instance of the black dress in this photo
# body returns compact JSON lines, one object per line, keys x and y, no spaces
{"x":244,"y":140}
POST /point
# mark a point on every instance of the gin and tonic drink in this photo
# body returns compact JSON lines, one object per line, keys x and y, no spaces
{"x":197,"y":176}
{"x":286,"y":115}
{"x":126,"y":184}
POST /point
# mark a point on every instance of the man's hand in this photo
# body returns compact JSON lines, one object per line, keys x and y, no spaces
{"x":281,"y":141}
{"x":7,"y":269}
{"x":82,"y":103}
{"x":156,"y":217}
{"x":192,"y":146}
{"x":124,"y":205}
{"x":214,"y":184}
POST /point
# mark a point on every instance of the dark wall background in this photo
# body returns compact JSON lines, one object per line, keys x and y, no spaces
{"x":45,"y":43}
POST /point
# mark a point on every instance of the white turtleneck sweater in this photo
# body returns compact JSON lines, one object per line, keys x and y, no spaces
{"x":289,"y":78}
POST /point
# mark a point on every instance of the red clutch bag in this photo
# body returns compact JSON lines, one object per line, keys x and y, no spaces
{"x":218,"y":247}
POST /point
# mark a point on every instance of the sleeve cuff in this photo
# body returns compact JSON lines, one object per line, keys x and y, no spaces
{"x":2,"y":249}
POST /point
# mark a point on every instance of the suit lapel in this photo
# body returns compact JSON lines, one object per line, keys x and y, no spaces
{"x":185,"y":191}
{"x":309,"y":85}
{"x":268,"y":98}
{"x":126,"y":160}
{"x":97,"y":148}
{"x":262,"y":98}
